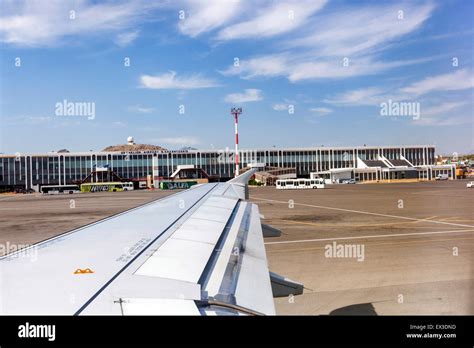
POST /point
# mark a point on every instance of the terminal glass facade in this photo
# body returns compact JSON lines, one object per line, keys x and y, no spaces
{"x":28,"y":170}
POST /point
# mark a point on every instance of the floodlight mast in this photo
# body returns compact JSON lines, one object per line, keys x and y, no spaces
{"x":236,"y":112}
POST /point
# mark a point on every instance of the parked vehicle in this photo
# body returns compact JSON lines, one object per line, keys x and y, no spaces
{"x":286,"y":184}
{"x":22,"y":190}
{"x":60,"y":189}
{"x":470,"y":184}
{"x":128,"y":186}
{"x":442,"y":177}
{"x":348,"y":181}
{"x":104,"y":187}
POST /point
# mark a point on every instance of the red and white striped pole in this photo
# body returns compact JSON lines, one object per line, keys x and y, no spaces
{"x":236,"y":112}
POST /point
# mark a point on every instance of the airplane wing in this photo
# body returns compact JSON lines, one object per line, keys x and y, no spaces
{"x":197,"y":252}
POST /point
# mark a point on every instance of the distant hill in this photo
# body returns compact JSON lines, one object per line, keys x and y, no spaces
{"x":134,"y":147}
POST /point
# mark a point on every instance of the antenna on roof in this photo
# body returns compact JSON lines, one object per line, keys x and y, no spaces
{"x":236,"y":112}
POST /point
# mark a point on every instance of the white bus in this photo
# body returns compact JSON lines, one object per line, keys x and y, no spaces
{"x":59,"y":189}
{"x":288,"y":184}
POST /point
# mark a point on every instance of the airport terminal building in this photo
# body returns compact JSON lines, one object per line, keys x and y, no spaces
{"x":361,"y":163}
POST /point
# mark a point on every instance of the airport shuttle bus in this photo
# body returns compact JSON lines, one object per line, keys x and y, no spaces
{"x":288,"y":184}
{"x":59,"y":189}
{"x":107,"y":187}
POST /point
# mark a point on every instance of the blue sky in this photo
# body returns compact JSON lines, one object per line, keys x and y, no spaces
{"x":333,"y":63}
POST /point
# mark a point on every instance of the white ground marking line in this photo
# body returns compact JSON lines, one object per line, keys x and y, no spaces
{"x":367,"y":213}
{"x":365,"y":237}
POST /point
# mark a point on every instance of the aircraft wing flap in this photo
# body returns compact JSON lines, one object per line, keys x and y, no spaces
{"x":177,"y":259}
{"x":184,"y":255}
{"x":152,"y":306}
{"x":240,"y":272}
{"x":254,"y":271}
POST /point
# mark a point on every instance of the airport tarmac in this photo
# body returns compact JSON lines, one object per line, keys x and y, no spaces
{"x":417,"y":241}
{"x":414,"y":241}
{"x":28,"y":219}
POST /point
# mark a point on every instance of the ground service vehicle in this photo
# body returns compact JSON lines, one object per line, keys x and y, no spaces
{"x":106,"y":187}
{"x":349,"y":181}
{"x":128,"y":186}
{"x":59,"y":189}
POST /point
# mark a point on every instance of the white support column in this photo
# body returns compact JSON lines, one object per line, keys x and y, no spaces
{"x":155,"y":170}
{"x":26,"y":172}
{"x":317,"y":160}
{"x":354,"y":160}
{"x":92,"y":165}
{"x":320,"y":161}
{"x":31,"y":170}
{"x":59,"y":169}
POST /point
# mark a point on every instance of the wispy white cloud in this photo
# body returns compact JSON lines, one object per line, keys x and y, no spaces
{"x":445,"y":122}
{"x":458,"y":80}
{"x":201,"y":16}
{"x":268,"y":66}
{"x":335,"y":69}
{"x":362,"y":29}
{"x":280,"y":107}
{"x":443,"y":108}
{"x":360,"y":96}
{"x":45,"y":23}
{"x":301,"y":67}
{"x":141,"y":109}
{"x":447,"y":114}
{"x":124,"y":39}
{"x":444,"y":113}
{"x":179,"y":141}
{"x":277,"y":18}
{"x":236,"y":19}
{"x":43,"y":121}
{"x":27,"y":120}
{"x":171,"y":81}
{"x":340,"y":44}
{"x":454,"y":81}
{"x":321,"y":111}
{"x":249,"y":95}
